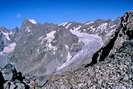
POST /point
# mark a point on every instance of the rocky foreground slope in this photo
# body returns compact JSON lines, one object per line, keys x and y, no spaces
{"x":66,"y":56}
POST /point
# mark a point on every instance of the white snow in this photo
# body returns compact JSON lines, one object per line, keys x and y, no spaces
{"x":69,"y":56}
{"x":92,"y":44}
{"x":1,"y":53}
{"x":50,"y":47}
{"x":92,"y":28}
{"x":6,"y":35}
{"x":89,"y":23}
{"x":103,"y":26}
{"x":28,"y":29}
{"x":50,"y":36}
{"x":84,"y":29}
{"x":113,"y":26}
{"x":32,"y":21}
{"x":41,"y":37}
{"x":110,"y":33}
{"x":10,"y":48}
{"x":77,"y":28}
{"x":11,"y":33}
{"x":63,"y":24}
{"x":68,"y":25}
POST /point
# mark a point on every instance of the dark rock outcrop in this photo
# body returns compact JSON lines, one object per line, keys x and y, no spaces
{"x":17,"y":81}
{"x":2,"y":81}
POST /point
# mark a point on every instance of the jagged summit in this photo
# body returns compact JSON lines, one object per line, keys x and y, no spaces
{"x":28,"y":22}
{"x":32,"y":21}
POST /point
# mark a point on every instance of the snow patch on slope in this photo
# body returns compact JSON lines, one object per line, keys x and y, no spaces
{"x":48,"y":39}
{"x":92,"y":28}
{"x":6,"y":35}
{"x":27,"y":29}
{"x":68,"y":25}
{"x":110,"y":33}
{"x":10,"y":48}
{"x":50,"y":36}
{"x":32,"y":21}
{"x":69,"y":56}
{"x":76,"y":28}
{"x":113,"y":26}
{"x":89,"y":23}
{"x":103,"y":26}
{"x":63,"y":24}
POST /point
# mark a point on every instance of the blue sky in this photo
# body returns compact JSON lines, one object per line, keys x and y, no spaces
{"x":13,"y":12}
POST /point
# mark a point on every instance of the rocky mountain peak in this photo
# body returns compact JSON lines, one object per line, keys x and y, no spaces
{"x":30,"y":21}
{"x":127,"y":23}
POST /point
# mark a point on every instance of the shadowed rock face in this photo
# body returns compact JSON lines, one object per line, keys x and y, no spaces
{"x":128,"y":24}
{"x":104,"y":51}
{"x":17,"y":80}
{"x":2,"y":81}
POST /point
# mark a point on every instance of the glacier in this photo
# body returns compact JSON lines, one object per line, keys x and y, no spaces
{"x":92,"y":43}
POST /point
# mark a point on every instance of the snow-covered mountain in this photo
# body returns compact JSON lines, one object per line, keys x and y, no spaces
{"x":100,"y":27}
